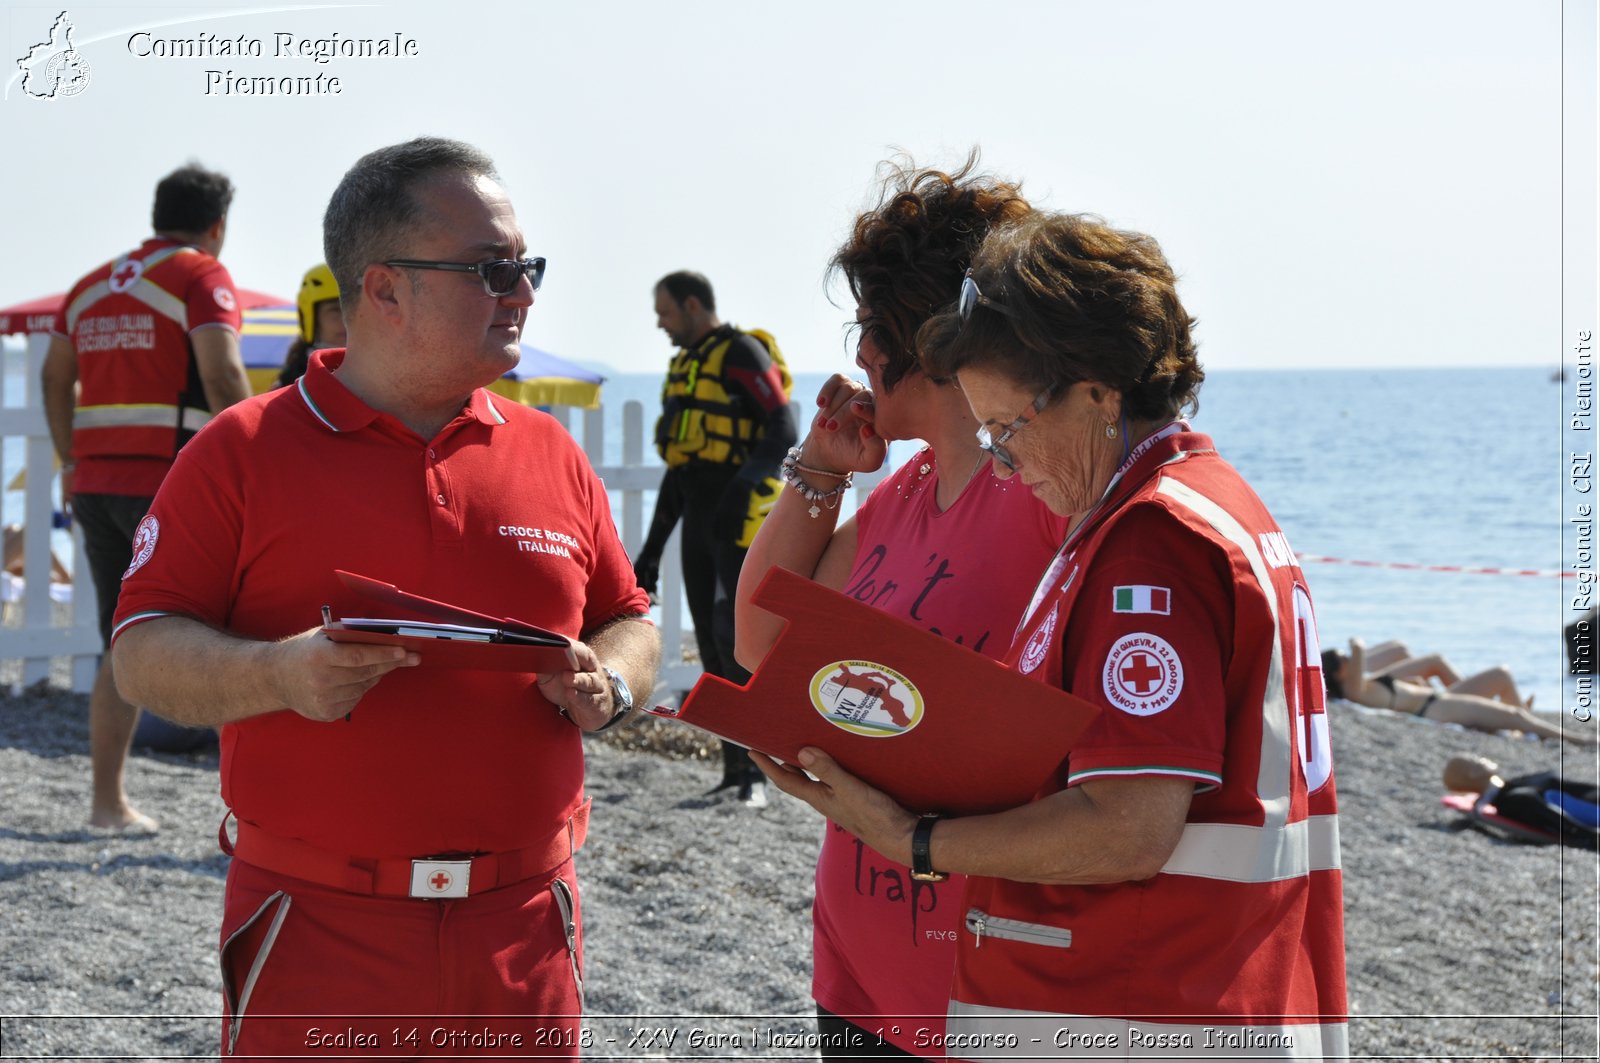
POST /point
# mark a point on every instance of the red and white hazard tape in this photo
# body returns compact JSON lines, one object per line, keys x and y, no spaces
{"x":1471,"y":570}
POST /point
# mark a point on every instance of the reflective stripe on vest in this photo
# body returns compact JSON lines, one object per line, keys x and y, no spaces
{"x":1237,"y":852}
{"x":144,"y":415}
{"x":1277,"y":849}
{"x":134,"y":430}
{"x":1272,"y":780}
{"x":136,"y":401}
{"x":144,"y":290}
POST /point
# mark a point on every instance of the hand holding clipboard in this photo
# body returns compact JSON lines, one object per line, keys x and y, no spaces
{"x":449,"y":636}
{"x":933,"y":724}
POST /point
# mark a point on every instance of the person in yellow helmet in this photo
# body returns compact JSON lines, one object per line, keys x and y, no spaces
{"x":725,"y":427}
{"x":321,"y":322}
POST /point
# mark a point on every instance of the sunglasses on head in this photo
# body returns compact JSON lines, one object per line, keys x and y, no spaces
{"x":971,"y":297}
{"x":500,"y":277}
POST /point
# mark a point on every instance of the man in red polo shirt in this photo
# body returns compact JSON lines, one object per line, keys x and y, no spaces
{"x":404,"y":841}
{"x":147,"y":351}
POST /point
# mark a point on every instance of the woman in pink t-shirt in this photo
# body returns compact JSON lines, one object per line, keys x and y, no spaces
{"x":922,"y":547}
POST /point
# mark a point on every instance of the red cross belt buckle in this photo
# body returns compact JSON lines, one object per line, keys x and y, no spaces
{"x":440,"y":879}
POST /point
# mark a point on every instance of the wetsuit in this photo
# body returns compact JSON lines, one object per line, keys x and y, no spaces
{"x":724,"y":429}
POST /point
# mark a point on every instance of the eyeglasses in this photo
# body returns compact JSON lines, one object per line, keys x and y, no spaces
{"x":971,"y":297}
{"x":995,"y":447}
{"x":500,"y":277}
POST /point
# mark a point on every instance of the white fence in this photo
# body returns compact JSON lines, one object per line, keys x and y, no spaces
{"x":31,"y":632}
{"x":33,"y":635}
{"x":628,"y":484}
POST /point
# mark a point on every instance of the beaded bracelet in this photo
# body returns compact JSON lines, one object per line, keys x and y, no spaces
{"x":791,"y":475}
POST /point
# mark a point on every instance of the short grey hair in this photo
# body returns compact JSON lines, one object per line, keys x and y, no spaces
{"x":373,"y":213}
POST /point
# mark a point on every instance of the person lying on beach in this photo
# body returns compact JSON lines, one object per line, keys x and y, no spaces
{"x":1464,"y":703}
{"x":1544,"y":803}
{"x":1392,"y":659}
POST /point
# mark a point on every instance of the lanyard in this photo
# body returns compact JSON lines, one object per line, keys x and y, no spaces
{"x":1096,"y":513}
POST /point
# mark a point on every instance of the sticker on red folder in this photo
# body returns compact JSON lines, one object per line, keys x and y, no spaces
{"x":935,"y":725}
{"x":866,"y":698}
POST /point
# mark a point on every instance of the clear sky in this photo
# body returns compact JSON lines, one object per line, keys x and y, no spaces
{"x":1362,"y":183}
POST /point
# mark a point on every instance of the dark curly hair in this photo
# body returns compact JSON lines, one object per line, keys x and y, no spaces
{"x":905,"y":257}
{"x":1331,"y":662}
{"x":1087,"y":302}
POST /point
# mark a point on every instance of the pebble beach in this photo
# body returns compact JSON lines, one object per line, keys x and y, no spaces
{"x":697,"y":908}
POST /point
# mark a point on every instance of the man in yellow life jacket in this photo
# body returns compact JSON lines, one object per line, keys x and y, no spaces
{"x":321,"y":322}
{"x":724,"y":429}
{"x":147,"y":349}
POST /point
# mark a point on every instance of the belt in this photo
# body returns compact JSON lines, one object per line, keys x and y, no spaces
{"x":430,"y":877}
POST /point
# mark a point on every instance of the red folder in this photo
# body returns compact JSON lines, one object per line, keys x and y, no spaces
{"x":449,"y":636}
{"x":935,"y":725}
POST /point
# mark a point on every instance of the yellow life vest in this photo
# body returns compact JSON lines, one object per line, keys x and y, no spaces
{"x":700,"y":419}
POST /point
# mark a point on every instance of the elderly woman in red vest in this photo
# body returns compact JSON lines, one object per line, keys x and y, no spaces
{"x":1174,"y":889}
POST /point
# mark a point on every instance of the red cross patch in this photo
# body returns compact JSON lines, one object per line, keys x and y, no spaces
{"x":126,"y":274}
{"x":439,"y":879}
{"x":1143,"y":674}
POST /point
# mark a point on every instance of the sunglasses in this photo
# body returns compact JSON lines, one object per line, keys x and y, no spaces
{"x":971,"y":297}
{"x":500,"y":277}
{"x":994,"y":446}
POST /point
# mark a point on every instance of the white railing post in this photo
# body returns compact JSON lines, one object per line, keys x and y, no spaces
{"x":38,"y":638}
{"x":630,"y":482}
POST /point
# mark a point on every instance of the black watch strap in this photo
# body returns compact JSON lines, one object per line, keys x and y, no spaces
{"x":921,"y":859}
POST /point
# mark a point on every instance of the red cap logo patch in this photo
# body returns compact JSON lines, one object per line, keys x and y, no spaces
{"x":144,"y":542}
{"x":1038,"y":647}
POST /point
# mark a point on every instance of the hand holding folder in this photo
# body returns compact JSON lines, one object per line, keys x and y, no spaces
{"x":933,"y":724}
{"x":449,"y":636}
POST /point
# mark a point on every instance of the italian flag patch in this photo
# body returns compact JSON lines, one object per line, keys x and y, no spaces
{"x":1142,"y":598}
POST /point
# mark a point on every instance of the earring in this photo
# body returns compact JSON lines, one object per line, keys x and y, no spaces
{"x":1111,"y":430}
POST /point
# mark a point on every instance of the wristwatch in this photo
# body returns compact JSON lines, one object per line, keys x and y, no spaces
{"x":921,"y":860}
{"x":621,"y":697}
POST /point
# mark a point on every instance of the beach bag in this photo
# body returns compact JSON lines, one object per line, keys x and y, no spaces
{"x":1549,"y":804}
{"x":1542,"y":807}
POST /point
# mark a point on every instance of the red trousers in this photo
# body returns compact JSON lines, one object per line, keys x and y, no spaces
{"x":313,"y":972}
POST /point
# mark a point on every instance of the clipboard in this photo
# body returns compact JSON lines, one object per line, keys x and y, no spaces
{"x":448,"y":636}
{"x":935,"y":725}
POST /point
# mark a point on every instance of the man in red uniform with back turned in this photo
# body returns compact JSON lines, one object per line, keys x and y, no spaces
{"x":402,"y":880}
{"x":148,"y":350}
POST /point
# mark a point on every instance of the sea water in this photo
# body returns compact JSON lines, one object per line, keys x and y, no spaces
{"x":1387,"y":467}
{"x":1426,"y":467}
{"x":1371,"y":467}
